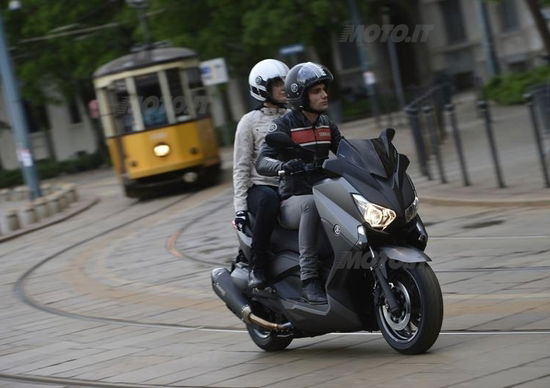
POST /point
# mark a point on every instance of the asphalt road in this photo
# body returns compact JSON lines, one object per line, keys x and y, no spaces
{"x":120,"y":295}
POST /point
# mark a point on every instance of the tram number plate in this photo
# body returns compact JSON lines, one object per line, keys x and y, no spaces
{"x":158,"y":136}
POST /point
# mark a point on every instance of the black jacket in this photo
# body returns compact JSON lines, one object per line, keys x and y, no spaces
{"x":320,"y":137}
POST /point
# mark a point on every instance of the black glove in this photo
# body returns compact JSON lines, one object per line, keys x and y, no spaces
{"x":241,"y":219}
{"x":294,"y":165}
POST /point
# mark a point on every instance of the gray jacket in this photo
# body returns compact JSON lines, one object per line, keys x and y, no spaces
{"x":249,"y":137}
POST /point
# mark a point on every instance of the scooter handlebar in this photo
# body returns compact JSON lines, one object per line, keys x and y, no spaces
{"x":309,"y":168}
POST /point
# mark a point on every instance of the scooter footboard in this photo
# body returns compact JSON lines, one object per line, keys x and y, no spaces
{"x":403,"y":254}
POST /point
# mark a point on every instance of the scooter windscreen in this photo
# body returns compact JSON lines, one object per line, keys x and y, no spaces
{"x":379,"y":171}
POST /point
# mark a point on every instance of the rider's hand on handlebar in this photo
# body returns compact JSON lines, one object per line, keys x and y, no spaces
{"x":241,"y":219}
{"x":294,"y":165}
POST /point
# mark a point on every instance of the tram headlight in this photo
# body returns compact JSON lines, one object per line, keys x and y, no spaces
{"x":161,"y":150}
{"x":378,"y":217}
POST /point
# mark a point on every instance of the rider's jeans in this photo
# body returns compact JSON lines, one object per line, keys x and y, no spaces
{"x":299,"y":212}
{"x":263,"y":201}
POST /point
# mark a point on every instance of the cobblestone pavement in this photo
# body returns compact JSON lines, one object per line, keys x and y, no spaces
{"x":100,"y":299}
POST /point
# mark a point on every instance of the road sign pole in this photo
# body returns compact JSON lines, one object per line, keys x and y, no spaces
{"x":17,"y":117}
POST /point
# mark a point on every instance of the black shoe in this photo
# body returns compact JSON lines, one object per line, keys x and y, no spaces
{"x":257,"y":278}
{"x":314,"y":292}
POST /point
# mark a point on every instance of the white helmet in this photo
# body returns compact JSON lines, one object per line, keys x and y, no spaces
{"x":262,"y":74}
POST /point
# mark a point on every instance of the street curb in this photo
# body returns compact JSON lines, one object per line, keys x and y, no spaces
{"x":84,"y":204}
{"x":485,"y":203}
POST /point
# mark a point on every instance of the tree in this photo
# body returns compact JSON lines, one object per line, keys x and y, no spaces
{"x":56,"y":46}
{"x":247,"y":31}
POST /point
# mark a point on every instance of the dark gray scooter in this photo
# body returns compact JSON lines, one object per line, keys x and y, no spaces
{"x":376,"y":274}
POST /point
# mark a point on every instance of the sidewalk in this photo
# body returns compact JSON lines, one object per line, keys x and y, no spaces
{"x":520,"y":164}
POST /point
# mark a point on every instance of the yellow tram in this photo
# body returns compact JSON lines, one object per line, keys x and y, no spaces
{"x":155,"y":115}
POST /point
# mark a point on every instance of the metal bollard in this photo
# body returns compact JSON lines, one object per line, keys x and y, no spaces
{"x":484,"y":109}
{"x":414,"y":122}
{"x":450,"y":108}
{"x":434,"y":138}
{"x":538,"y":138}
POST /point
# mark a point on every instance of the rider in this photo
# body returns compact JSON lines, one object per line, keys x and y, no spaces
{"x":306,"y":88}
{"x":254,"y":192}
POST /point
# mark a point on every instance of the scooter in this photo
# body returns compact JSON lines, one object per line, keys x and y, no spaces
{"x":376,"y":274}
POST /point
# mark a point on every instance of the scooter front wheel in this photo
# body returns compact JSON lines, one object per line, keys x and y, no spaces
{"x":267,"y":340}
{"x":416,"y":327}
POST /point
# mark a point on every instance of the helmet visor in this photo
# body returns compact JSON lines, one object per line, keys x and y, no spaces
{"x":311,"y":74}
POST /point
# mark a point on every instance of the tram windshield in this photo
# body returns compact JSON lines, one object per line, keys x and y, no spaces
{"x":151,"y":101}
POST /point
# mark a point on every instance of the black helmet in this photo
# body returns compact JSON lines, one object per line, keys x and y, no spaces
{"x":300,"y":78}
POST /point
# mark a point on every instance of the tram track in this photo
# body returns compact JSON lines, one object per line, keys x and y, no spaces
{"x":19,"y":287}
{"x":19,"y":290}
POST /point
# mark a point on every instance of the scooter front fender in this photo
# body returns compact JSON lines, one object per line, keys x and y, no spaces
{"x":403,"y":254}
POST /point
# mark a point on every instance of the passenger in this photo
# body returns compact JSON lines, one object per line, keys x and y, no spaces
{"x":306,"y":88}
{"x":254,"y":192}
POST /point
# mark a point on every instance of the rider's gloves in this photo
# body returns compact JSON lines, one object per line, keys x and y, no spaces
{"x":294,"y":165}
{"x":241,"y":219}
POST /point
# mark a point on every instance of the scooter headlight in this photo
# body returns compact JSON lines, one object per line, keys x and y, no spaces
{"x":411,"y":211}
{"x":378,"y":217}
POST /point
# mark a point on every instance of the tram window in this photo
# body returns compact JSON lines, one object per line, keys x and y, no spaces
{"x":198,"y":93}
{"x":120,"y":107}
{"x":200,"y":101}
{"x":181,"y":108}
{"x":151,"y":101}
{"x":194,"y":78}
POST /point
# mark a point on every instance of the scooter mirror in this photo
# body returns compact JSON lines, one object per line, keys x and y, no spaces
{"x":279,"y":140}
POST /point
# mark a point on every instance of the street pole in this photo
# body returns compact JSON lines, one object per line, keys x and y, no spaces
{"x":141,"y":6}
{"x":17,"y":117}
{"x":491,"y":60}
{"x":363,"y":58}
{"x":394,"y":62}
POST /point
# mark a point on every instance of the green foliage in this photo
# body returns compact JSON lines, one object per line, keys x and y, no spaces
{"x":509,"y":88}
{"x":44,"y":56}
{"x":49,"y":169}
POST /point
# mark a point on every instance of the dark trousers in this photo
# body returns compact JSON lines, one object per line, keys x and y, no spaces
{"x":263,"y":201}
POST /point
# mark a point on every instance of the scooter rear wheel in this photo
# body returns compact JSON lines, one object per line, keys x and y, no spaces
{"x":417,"y":326}
{"x":267,"y":340}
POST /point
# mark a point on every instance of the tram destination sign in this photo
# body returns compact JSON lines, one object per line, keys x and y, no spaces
{"x":214,"y":72}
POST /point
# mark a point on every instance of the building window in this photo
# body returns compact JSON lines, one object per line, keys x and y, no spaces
{"x":74,"y":112}
{"x":508,"y":13}
{"x":454,"y":22}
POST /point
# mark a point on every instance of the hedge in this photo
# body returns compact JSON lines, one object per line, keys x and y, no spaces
{"x":49,"y":169}
{"x":508,"y":89}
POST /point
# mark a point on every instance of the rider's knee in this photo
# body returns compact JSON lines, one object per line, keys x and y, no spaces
{"x":308,"y":204}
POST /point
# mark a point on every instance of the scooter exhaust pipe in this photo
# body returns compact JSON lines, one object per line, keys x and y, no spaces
{"x":227,"y":291}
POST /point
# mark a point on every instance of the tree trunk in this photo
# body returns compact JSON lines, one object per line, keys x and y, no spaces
{"x":540,"y":21}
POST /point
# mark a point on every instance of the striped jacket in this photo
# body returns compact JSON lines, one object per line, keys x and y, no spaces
{"x":320,"y":137}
